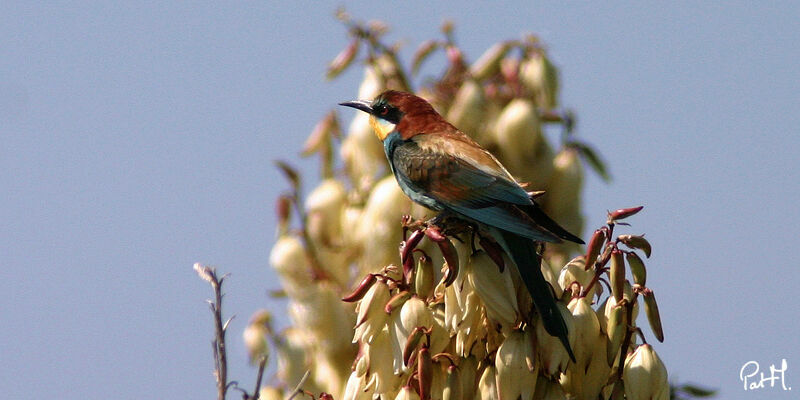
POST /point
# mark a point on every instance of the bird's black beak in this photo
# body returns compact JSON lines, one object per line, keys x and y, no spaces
{"x":363,"y":105}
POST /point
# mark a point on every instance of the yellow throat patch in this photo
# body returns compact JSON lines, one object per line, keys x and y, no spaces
{"x":381,"y":127}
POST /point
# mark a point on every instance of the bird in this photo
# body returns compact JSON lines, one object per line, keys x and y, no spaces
{"x":443,"y":169}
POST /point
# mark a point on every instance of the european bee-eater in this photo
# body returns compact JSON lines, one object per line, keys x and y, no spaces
{"x":441,"y":168}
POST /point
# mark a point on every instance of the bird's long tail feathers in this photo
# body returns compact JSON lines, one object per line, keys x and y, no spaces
{"x":523,"y":253}
{"x":539,"y":216}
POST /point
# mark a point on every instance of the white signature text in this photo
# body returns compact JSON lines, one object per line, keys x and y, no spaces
{"x":752,"y":378}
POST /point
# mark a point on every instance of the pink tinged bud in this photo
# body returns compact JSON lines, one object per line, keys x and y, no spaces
{"x":653,"y":316}
{"x":623,"y":213}
{"x":407,"y":250}
{"x":320,"y":135}
{"x":433,"y":233}
{"x":408,"y":246}
{"x":451,"y":258}
{"x":325,"y":396}
{"x":343,"y":59}
{"x":617,"y":275}
{"x":645,"y":376}
{"x":361,"y":290}
{"x":636,"y":242}
{"x":594,"y":247}
{"x":283,"y":208}
{"x":423,"y":51}
{"x":637,"y":268}
{"x":454,"y":55}
{"x":424,"y":373}
{"x":290,"y":173}
{"x":509,"y":69}
{"x":411,"y":344}
{"x":489,"y":63}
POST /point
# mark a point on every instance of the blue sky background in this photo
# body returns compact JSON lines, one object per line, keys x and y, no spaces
{"x":138,"y":139}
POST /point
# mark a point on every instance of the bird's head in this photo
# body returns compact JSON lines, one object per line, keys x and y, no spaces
{"x":393,"y":110}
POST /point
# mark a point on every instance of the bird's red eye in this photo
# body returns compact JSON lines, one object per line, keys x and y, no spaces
{"x":384,"y":110}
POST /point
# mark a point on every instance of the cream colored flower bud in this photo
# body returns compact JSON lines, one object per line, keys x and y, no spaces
{"x":440,"y":335}
{"x":330,"y":373}
{"x":407,"y":393}
{"x":489,"y":62}
{"x":414,"y":313}
{"x":575,"y":271}
{"x":270,"y":393}
{"x":390,"y":72}
{"x":255,"y":336}
{"x":290,"y":348}
{"x":587,"y":383}
{"x":355,"y":388}
{"x":350,"y":218}
{"x":324,"y":207}
{"x":645,"y":376}
{"x":552,"y":354}
{"x":468,"y":369}
{"x":471,"y":329}
{"x":517,"y":132}
{"x":516,"y":372}
{"x":563,"y":198}
{"x":487,"y":384}
{"x":468,"y":110}
{"x":372,"y":318}
{"x":540,"y":77}
{"x":423,"y":277}
{"x":537,"y":168}
{"x":549,"y":390}
{"x":495,"y":289}
{"x":382,"y":378}
{"x":378,"y":232}
{"x":587,"y":328}
{"x":370,"y":84}
{"x":598,"y":371}
{"x":325,"y":317}
{"x":452,"y":386}
{"x":362,"y":153}
{"x":289,"y":258}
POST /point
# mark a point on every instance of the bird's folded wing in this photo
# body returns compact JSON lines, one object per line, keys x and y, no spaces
{"x":466,"y":180}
